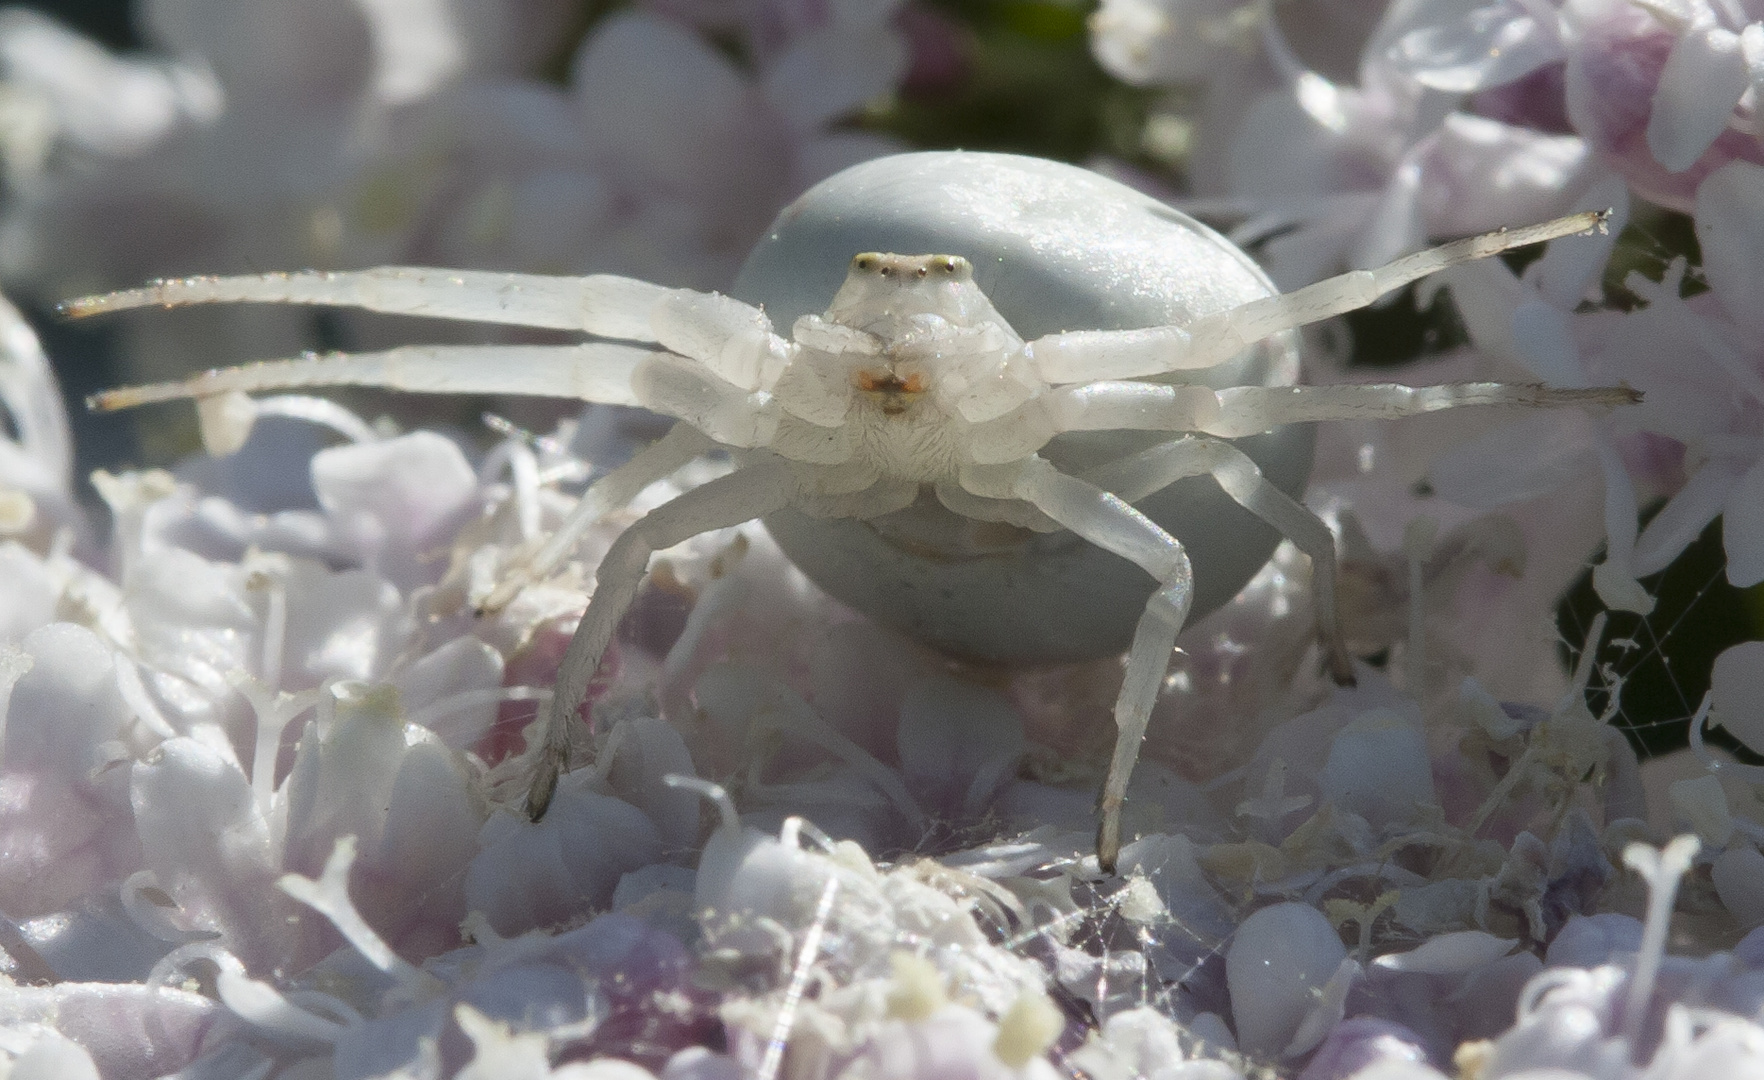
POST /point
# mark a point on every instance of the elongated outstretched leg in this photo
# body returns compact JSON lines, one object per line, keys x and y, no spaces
{"x":618,"y":487}
{"x":1151,"y":470}
{"x":1107,"y":521}
{"x":748,"y":492}
{"x":1088,"y":355}
{"x":603,"y":304}
{"x":731,"y":339}
{"x":1245,"y":410}
{"x":593,"y":371}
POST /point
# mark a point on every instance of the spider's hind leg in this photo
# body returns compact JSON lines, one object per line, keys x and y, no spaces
{"x":1153,"y":469}
{"x":748,"y":492}
{"x":616,"y":489}
{"x":1107,"y":521}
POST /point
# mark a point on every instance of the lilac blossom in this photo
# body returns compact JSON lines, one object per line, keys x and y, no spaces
{"x":1664,"y":93}
{"x":601,"y":176}
{"x":262,"y":759}
{"x":342,"y":746}
{"x":1331,"y":173}
{"x":1690,"y":356}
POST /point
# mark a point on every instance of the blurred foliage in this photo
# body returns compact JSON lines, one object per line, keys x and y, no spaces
{"x":1030,"y":87}
{"x":107,"y":20}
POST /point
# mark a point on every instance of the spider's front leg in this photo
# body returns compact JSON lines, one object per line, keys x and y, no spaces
{"x":1089,"y":355}
{"x":616,"y":489}
{"x":750,"y":491}
{"x":1107,"y":521}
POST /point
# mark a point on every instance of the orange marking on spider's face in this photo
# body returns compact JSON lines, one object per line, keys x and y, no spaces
{"x":887,"y":382}
{"x":892,"y":392}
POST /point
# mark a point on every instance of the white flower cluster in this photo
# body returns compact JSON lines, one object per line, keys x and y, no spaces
{"x":262,"y":762}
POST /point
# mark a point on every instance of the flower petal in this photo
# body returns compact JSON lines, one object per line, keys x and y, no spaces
{"x":1704,"y":77}
{"x":1533,"y":457}
{"x":1737,"y":686}
{"x":1571,"y":265}
{"x":1742,"y":529}
{"x":1682,"y":519}
{"x":1730,"y":229}
{"x":832,"y":70}
{"x":1462,"y":52}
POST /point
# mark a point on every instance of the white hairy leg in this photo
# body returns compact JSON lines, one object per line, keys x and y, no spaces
{"x":1110,"y":523}
{"x":732,"y":340}
{"x":617,"y":488}
{"x":748,"y":492}
{"x":1103,"y":406}
{"x":1153,"y":469}
{"x":602,"y":304}
{"x":1246,"y":410}
{"x":1088,"y":355}
{"x":595,"y":371}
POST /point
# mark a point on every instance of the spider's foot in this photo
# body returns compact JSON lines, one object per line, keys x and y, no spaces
{"x":545,"y":773}
{"x":499,"y":598}
{"x":1108,"y":839}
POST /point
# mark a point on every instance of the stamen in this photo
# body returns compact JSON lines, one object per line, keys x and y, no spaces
{"x":329,"y":896}
{"x":1662,"y":869}
{"x":716,"y":793}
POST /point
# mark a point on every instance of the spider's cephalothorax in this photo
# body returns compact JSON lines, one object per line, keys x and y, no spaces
{"x":925,"y":354}
{"x":1144,"y":357}
{"x":931,"y":325}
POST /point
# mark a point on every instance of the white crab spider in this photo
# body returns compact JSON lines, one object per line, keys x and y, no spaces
{"x":910,"y":384}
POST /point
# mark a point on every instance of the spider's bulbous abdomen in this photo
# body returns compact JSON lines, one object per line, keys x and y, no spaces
{"x":1052,"y":248}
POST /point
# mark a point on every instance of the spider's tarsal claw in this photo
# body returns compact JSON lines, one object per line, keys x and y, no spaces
{"x":546,"y":772}
{"x":503,"y":594}
{"x":1108,"y":839}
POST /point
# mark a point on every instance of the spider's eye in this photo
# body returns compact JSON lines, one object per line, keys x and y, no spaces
{"x":951,"y":264}
{"x":865,"y":262}
{"x":923,"y":270}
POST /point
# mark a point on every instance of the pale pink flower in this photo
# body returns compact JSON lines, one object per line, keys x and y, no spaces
{"x":1665,"y":93}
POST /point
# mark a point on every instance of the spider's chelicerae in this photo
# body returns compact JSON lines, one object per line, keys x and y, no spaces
{"x":910,"y":385}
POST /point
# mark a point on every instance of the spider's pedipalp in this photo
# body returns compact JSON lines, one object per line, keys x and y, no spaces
{"x":595,"y":371}
{"x":601,"y":304}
